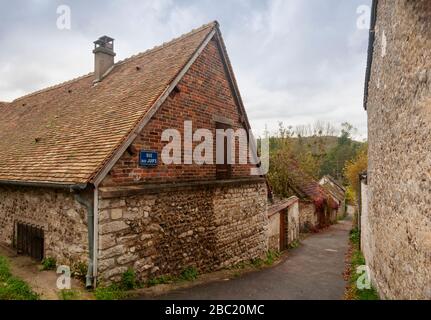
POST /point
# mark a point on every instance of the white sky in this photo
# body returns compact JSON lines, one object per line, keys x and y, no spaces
{"x":296,"y":61}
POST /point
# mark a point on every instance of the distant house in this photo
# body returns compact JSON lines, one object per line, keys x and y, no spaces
{"x":396,"y":224}
{"x":283,"y":225}
{"x":314,"y":212}
{"x":81,"y":176}
{"x":337,"y":192}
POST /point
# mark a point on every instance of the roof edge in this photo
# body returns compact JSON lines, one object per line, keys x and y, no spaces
{"x":102,"y":172}
{"x":44,"y":184}
{"x":371,"y":40}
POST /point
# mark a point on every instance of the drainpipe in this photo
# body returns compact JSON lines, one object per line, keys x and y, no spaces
{"x":371,"y":40}
{"x":95,"y":234}
{"x":90,"y":225}
{"x":360,"y":208}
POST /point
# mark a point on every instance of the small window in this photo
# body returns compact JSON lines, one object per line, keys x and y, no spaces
{"x":224,"y":170}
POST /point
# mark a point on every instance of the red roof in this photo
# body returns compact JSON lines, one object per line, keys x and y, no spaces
{"x":304,"y":185}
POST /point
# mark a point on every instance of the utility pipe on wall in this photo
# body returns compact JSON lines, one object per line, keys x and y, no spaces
{"x":95,"y":234}
{"x":90,"y":226}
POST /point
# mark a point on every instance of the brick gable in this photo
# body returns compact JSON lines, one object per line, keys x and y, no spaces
{"x":204,"y":94}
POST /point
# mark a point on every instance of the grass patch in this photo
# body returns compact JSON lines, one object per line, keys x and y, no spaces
{"x":293,"y":245}
{"x":161,"y":280}
{"x":257,"y":263}
{"x":357,"y":259}
{"x":271,"y":257}
{"x":112,"y":292}
{"x":12,"y":288}
{"x":69,"y":295}
{"x":49,"y":264}
{"x":189,"y":274}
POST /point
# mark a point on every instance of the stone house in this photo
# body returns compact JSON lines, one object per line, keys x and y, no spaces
{"x":314,"y":212}
{"x":337,"y":193}
{"x":283,"y":223}
{"x":81,"y":178}
{"x":398,"y":184}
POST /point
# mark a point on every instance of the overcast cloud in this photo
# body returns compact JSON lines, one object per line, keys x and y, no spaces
{"x":296,"y":61}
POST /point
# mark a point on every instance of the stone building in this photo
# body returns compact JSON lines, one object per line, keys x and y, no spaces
{"x":337,"y":193}
{"x":283,"y":225}
{"x":81,"y":176}
{"x":398,"y":104}
{"x":314,"y":210}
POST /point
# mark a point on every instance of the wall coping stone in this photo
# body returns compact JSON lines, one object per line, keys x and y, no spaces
{"x":152,"y":188}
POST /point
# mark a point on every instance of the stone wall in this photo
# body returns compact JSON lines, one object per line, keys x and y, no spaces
{"x":287,"y":209}
{"x":274,"y":232}
{"x":308,"y":218}
{"x":293,"y":222}
{"x":63,"y":220}
{"x":167,"y":229}
{"x":399,"y":124}
{"x":366,"y":239}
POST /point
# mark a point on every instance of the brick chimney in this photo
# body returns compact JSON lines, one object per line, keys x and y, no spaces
{"x":103,"y":56}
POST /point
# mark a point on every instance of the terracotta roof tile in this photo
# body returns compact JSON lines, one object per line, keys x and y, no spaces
{"x":333,"y":191}
{"x":65,"y":133}
{"x":303,"y":184}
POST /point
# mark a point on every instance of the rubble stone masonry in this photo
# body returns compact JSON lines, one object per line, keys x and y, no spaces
{"x":399,"y":176}
{"x":63,"y":220}
{"x":308,"y":217}
{"x":205,"y":226}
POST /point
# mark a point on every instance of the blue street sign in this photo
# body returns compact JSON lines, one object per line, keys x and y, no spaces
{"x":148,"y":158}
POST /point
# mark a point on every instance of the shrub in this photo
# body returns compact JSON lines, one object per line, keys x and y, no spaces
{"x":49,"y":263}
{"x":79,"y":270}
{"x":128,"y":279}
{"x":189,"y":274}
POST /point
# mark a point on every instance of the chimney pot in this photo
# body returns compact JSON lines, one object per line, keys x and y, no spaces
{"x":103,"y":56}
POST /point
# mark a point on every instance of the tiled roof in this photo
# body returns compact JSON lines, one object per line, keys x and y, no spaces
{"x":334,"y":191}
{"x":67,"y":133}
{"x":303,"y":184}
{"x":336,"y":182}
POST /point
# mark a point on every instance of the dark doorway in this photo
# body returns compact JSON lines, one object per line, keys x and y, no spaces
{"x":283,"y":230}
{"x":29,"y":240}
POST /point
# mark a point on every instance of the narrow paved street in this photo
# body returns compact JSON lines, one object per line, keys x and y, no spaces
{"x":312,"y":271}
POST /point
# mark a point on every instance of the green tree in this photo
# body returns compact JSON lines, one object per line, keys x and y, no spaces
{"x":337,"y":157}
